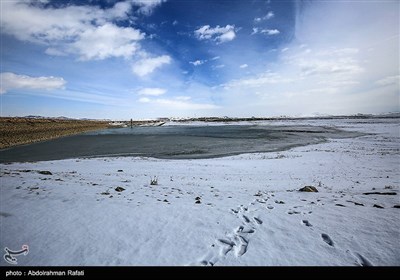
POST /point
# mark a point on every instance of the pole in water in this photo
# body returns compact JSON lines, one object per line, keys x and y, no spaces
{"x":131,"y":123}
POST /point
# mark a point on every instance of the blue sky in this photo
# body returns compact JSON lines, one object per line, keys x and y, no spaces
{"x":146,"y":59}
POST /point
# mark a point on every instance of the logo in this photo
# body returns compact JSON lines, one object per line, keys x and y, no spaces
{"x":9,"y":256}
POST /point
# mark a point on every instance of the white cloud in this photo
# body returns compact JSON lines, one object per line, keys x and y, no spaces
{"x":333,"y":72}
{"x":255,"y":31}
{"x":175,"y":22}
{"x":152,"y":91}
{"x":146,"y":66}
{"x":10,"y":81}
{"x":270,"y":31}
{"x":144,"y":100}
{"x":244,"y":66}
{"x":336,"y":62}
{"x":219,"y":66}
{"x":179,"y":104}
{"x":390,"y":80}
{"x":284,"y":49}
{"x":261,"y":80}
{"x":197,"y":62}
{"x":184,"y":98}
{"x":120,"y":10}
{"x":147,"y":6}
{"x":215,"y":58}
{"x":217,"y":34}
{"x":268,"y":16}
{"x":85,"y":31}
{"x":106,"y":41}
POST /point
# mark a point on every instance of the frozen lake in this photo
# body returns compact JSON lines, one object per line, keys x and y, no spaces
{"x":175,"y":142}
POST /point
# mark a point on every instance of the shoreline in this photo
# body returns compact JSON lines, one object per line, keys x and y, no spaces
{"x":178,"y":142}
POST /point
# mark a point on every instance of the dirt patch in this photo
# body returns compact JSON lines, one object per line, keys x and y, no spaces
{"x":19,"y":131}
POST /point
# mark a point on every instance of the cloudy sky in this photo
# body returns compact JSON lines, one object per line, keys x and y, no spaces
{"x":157,"y":58}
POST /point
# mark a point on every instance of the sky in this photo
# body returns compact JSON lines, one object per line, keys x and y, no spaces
{"x":146,"y":59}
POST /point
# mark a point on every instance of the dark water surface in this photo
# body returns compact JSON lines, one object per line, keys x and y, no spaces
{"x":174,"y":142}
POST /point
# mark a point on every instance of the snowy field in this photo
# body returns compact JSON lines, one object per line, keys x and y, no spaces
{"x":243,"y":210}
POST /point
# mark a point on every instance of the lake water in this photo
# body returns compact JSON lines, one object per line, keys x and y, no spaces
{"x":174,"y":142}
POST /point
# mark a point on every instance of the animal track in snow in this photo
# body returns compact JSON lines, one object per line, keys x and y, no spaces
{"x":242,"y":230}
{"x":237,"y":241}
{"x":362,"y":260}
{"x":327,"y":239}
{"x":241,"y":249}
{"x":306,"y":223}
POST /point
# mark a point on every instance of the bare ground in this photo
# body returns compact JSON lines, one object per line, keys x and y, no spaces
{"x":19,"y":131}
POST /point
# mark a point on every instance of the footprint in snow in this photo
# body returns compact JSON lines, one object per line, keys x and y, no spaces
{"x":258,"y":221}
{"x":306,"y":223}
{"x":327,"y":239}
{"x":227,"y":246}
{"x":242,"y":230}
{"x":241,"y":248}
{"x":362,"y":260}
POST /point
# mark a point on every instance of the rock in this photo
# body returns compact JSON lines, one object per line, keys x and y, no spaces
{"x":120,"y":170}
{"x":308,"y":189}
{"x":105,"y":193}
{"x":359,"y":204}
{"x":197,"y":198}
{"x":396,"y":206}
{"x":198,"y":202}
{"x":45,"y":172}
{"x":338,"y":204}
{"x":378,"y":206}
{"x":279,"y":202}
{"x":119,"y":189}
{"x":165,"y":200}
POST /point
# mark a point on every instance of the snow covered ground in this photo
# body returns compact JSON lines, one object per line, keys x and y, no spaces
{"x":236,"y":211}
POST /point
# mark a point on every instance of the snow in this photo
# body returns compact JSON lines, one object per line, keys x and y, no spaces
{"x":251,"y":212}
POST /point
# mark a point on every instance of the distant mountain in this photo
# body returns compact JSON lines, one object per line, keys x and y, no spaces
{"x":34,"y":117}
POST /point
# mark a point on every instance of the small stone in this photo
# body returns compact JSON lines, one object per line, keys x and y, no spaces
{"x":198,"y":202}
{"x":279,"y":202}
{"x":338,"y":204}
{"x":105,"y":193}
{"x":308,"y":189}
{"x":120,"y":170}
{"x":119,"y":189}
{"x":359,"y":204}
{"x":165,"y":200}
{"x":197,"y":198}
{"x":378,"y":206}
{"x":396,"y":206}
{"x":45,"y":172}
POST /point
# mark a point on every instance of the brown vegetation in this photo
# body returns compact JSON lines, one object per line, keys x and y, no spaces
{"x":18,"y":131}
